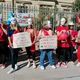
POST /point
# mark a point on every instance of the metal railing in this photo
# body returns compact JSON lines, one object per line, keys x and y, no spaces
{"x":39,"y":15}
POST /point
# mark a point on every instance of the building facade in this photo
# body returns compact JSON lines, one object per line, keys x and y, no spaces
{"x":27,"y":6}
{"x":65,"y":5}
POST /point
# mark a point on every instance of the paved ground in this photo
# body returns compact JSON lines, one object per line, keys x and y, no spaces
{"x":24,"y":73}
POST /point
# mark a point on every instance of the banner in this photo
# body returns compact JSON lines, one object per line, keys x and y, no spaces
{"x":21,"y":40}
{"x":48,"y":42}
{"x":22,"y":19}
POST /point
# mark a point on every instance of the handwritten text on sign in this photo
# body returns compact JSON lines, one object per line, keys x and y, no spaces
{"x":48,"y":42}
{"x":22,"y":18}
{"x":21,"y":40}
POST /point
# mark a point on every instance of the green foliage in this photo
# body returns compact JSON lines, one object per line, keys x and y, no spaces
{"x":76,"y":5}
{"x":2,"y":0}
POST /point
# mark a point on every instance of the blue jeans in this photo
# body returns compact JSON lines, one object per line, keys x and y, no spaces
{"x":42,"y":56}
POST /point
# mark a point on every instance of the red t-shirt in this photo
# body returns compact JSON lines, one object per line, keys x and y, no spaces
{"x":5,"y":26}
{"x":60,"y":43}
{"x":45,"y":32}
{"x":73,"y":33}
{"x":2,"y":36}
{"x":60,"y":28}
{"x":78,"y":19}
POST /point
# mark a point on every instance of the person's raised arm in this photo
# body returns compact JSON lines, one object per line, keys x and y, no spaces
{"x":4,"y":30}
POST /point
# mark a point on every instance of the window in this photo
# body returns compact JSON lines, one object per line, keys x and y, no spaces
{"x":66,"y":10}
{"x":69,"y":6}
{"x":22,"y":9}
{"x":45,"y":10}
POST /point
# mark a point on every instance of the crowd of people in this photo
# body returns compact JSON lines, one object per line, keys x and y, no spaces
{"x":68,"y":41}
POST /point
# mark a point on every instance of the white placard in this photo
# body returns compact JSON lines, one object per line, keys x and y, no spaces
{"x":48,"y":42}
{"x":21,"y":40}
{"x":22,"y":18}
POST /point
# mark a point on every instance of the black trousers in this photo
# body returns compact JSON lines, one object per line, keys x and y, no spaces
{"x":63,"y":54}
{"x":72,"y":49}
{"x":14,"y":57}
{"x":3,"y":52}
{"x":30,"y":54}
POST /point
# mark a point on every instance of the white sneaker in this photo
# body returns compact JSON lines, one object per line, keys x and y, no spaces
{"x":58,"y":64}
{"x":34,"y":66}
{"x":16,"y":67}
{"x":78,"y":64}
{"x":28,"y":65}
{"x":42,"y":67}
{"x":64,"y":65}
{"x":10,"y":71}
{"x":2,"y":67}
{"x":53,"y":67}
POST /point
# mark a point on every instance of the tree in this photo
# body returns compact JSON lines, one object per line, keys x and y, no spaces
{"x":2,"y":0}
{"x":76,"y":5}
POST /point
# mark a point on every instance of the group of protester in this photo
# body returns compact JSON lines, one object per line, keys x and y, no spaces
{"x":67,"y":37}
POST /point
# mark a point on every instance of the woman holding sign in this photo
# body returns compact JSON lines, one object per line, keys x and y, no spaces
{"x":31,"y":50}
{"x":46,"y":31}
{"x":13,"y":29}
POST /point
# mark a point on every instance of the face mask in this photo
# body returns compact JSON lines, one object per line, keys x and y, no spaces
{"x":62,"y":22}
{"x":29,"y":23}
{"x":49,"y":24}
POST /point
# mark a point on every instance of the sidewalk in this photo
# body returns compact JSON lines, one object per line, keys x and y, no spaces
{"x":24,"y":73}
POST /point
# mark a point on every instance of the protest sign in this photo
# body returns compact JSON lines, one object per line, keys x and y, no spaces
{"x":48,"y":42}
{"x":21,"y":40}
{"x":22,"y":19}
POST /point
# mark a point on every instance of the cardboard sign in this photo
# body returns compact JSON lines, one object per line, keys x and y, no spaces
{"x":48,"y":42}
{"x":22,"y":19}
{"x":21,"y":40}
